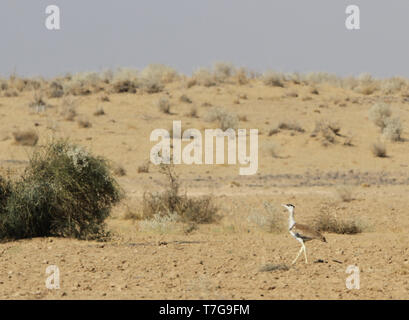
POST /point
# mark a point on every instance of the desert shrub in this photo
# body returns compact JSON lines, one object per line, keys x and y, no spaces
{"x":273,"y":79}
{"x":83,"y":122}
{"x":152,"y":85}
{"x":392,"y":85}
{"x":327,"y":131}
{"x":193,"y":112}
{"x":393,"y":129}
{"x":37,"y":101}
{"x":159,"y":73}
{"x":190,"y":82}
{"x":153,"y":78}
{"x":366,"y":88}
{"x":10,"y":93}
{"x":327,"y":222}
{"x":170,"y":202}
{"x":104,"y":98}
{"x":204,"y":77}
{"x":273,"y":131}
{"x":26,"y":137}
{"x":55,"y":90}
{"x":314,"y":78}
{"x":144,"y":167}
{"x":164,"y":105}
{"x":223,"y":70}
{"x":184,"y":98}
{"x":225,"y":119}
{"x":83,"y":83}
{"x":379,"y":149}
{"x":241,"y":76}
{"x":366,"y":84}
{"x":123,"y":86}
{"x":65,"y":191}
{"x":124,"y":80}
{"x":348,"y":140}
{"x":379,"y":113}
{"x":294,"y":77}
{"x":5,"y":192}
{"x":68,"y":108}
{"x":99,"y":112}
{"x":119,"y":170}
{"x":290,"y":125}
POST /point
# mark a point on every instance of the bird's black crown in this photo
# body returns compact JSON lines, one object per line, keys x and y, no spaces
{"x":290,"y":205}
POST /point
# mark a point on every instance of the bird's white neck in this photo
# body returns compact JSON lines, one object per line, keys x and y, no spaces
{"x":291,"y":221}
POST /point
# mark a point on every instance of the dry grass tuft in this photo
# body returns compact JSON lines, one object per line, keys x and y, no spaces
{"x":241,"y":76}
{"x":203,"y":77}
{"x":379,"y":113}
{"x":273,"y":79}
{"x":164,"y":105}
{"x":171,"y":204}
{"x":225,"y":119}
{"x":393,"y":129}
{"x":37,"y":101}
{"x":68,"y":108}
{"x":144,"y":168}
{"x":192,"y":112}
{"x":26,"y":138}
{"x":327,"y":222}
{"x":99,"y":112}
{"x":327,"y":131}
{"x":290,"y":125}
{"x":84,"y":123}
{"x":184,"y":98}
{"x":379,"y":149}
{"x":223,"y":71}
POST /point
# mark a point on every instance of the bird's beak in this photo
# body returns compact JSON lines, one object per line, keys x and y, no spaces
{"x":284,"y":205}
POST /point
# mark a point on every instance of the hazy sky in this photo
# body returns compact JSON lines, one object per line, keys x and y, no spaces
{"x":284,"y":35}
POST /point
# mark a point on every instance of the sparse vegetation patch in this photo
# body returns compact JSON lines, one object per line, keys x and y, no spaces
{"x":65,"y":191}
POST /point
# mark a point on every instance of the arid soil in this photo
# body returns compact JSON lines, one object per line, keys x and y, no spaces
{"x":226,"y":259}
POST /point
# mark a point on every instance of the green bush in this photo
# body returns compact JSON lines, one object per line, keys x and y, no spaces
{"x":65,"y":191}
{"x":5,"y":191}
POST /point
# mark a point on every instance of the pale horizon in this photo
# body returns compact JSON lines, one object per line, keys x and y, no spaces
{"x":285,"y":36}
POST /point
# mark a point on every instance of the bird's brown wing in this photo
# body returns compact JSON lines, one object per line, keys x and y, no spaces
{"x":307,"y":233}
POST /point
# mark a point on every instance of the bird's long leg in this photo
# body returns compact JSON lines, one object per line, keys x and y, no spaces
{"x":299,"y":252}
{"x":305,"y":253}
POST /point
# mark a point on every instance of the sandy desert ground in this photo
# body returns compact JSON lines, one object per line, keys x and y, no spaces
{"x":225,"y":259}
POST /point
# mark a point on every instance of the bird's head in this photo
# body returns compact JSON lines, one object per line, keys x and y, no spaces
{"x":289,"y":207}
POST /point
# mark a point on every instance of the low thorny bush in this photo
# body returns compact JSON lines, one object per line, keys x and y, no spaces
{"x":65,"y":191}
{"x":328,"y":222}
{"x":391,"y":128}
{"x":170,"y":202}
{"x":225,"y":119}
